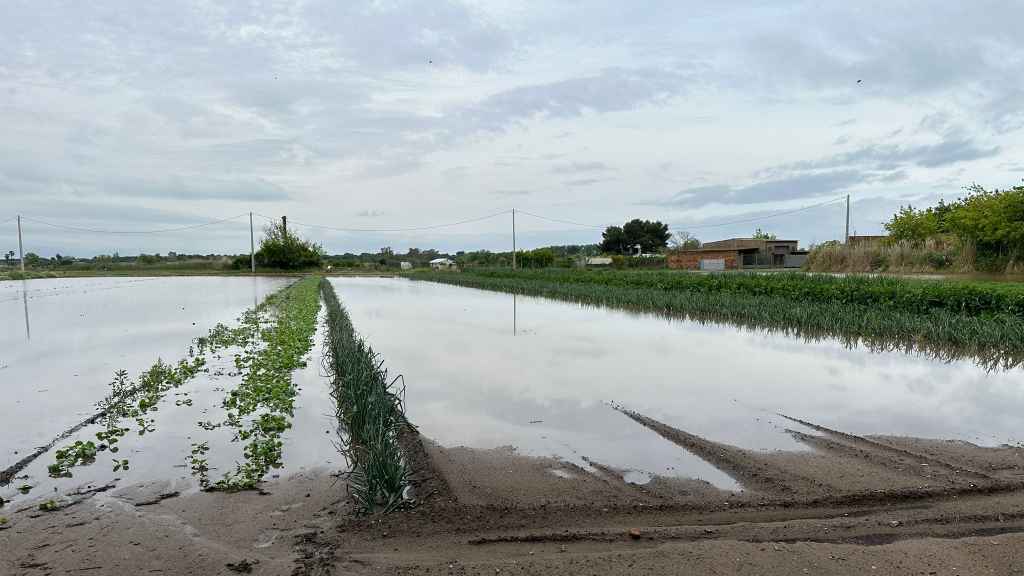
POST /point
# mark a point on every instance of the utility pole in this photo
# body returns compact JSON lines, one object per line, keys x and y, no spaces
{"x":284,"y":225}
{"x":252,"y":246}
{"x":513,"y":238}
{"x":847,"y":218}
{"x":21,"y":250}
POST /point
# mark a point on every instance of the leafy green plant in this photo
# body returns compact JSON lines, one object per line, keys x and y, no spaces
{"x":271,"y":340}
{"x":73,"y":455}
{"x":49,"y":506}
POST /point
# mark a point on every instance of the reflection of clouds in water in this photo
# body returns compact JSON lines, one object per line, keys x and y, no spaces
{"x":708,"y":379}
{"x":81,"y":336}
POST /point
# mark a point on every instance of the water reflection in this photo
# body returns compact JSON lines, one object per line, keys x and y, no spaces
{"x":956,"y":339}
{"x":24,"y":301}
{"x":78,"y":332}
{"x":474,"y":382}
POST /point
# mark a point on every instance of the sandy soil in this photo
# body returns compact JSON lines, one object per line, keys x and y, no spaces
{"x":852,"y":505}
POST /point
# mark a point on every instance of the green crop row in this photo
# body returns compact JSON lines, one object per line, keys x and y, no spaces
{"x":370,"y":413}
{"x":882,"y":292}
{"x":994,"y":339}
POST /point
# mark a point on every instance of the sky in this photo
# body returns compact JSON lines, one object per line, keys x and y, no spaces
{"x":373,"y":118}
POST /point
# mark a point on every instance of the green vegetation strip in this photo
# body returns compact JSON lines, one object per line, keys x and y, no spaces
{"x":272,"y":339}
{"x":945,"y":320}
{"x":370,"y":412}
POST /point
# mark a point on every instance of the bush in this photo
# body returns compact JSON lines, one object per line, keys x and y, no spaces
{"x":539,"y":258}
{"x":286,"y":251}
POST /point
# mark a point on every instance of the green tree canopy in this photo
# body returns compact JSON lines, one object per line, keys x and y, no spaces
{"x":286,"y":251}
{"x":652,"y":236}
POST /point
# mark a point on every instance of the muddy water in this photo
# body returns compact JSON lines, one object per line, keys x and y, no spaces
{"x":61,"y":340}
{"x":486,"y":369}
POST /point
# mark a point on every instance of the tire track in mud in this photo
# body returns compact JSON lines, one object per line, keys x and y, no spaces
{"x":893,"y":458}
{"x":750,"y":470}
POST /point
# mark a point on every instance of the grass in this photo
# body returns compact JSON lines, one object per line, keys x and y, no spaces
{"x":945,"y":320}
{"x":370,"y":413}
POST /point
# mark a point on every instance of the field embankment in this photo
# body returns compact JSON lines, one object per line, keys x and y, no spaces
{"x":943,"y":319}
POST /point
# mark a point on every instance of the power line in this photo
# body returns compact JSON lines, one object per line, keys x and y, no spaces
{"x":409,"y":229}
{"x":161,"y":231}
{"x":759,"y":218}
{"x":560,"y":221}
{"x":696,"y":226}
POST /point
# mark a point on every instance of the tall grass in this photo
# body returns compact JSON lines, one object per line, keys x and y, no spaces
{"x":982,"y":322}
{"x":370,"y":412}
{"x":933,"y":255}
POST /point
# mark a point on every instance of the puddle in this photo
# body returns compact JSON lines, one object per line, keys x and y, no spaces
{"x":487,"y":369}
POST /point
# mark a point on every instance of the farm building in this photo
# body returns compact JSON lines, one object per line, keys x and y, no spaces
{"x":442,"y":264}
{"x":740,"y":253}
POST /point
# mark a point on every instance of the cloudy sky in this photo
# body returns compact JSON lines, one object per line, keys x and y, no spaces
{"x":384,"y":115}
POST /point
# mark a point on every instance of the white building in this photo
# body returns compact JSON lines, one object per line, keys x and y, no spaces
{"x":442,"y":264}
{"x":406,"y":265}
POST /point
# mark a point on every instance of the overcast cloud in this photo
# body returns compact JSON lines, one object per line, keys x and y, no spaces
{"x":123,"y":115}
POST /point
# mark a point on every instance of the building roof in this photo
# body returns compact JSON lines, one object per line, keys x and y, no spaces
{"x":441,"y":261}
{"x":743,"y":243}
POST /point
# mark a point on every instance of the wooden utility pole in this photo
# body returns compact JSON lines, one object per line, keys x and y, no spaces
{"x":284,"y":225}
{"x":252,"y":246}
{"x":513,"y":238}
{"x":847,"y":218}
{"x":21,"y":250}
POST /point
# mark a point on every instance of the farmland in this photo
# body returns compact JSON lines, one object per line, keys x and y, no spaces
{"x":946,"y":320}
{"x":554,"y":417}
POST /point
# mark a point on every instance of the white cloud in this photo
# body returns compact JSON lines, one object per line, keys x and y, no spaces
{"x":417,"y":113}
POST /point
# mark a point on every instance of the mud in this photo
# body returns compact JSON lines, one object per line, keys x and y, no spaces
{"x":148,"y":528}
{"x":851,"y":504}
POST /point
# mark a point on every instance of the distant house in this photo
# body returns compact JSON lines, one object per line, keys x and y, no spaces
{"x":406,"y":265}
{"x":740,"y":253}
{"x":442,"y":264}
{"x":599,"y":261}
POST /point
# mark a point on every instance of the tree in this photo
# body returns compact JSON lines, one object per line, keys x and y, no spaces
{"x":8,"y":256}
{"x":762,"y":235}
{"x":652,"y":236}
{"x":613,"y":240}
{"x":286,"y":251}
{"x":683,"y":240}
{"x":33,"y":260}
{"x":910,"y":225}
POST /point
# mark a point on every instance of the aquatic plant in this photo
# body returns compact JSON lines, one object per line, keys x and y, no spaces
{"x":78,"y":453}
{"x":273,"y":338}
{"x":944,"y":320}
{"x":370,"y":413}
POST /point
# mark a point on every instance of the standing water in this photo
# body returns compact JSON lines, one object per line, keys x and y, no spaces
{"x":486,"y":369}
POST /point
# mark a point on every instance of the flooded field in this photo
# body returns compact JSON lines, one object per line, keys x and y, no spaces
{"x":59,"y":363}
{"x":486,"y":370}
{"x":544,"y":426}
